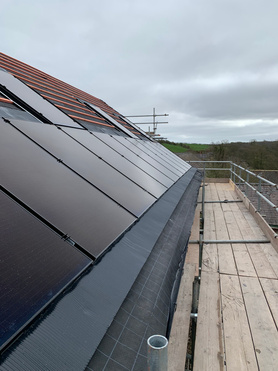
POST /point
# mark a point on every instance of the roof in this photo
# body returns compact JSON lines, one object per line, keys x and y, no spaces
{"x":87,"y":208}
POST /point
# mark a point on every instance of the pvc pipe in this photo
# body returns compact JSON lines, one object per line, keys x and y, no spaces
{"x":157,"y":353}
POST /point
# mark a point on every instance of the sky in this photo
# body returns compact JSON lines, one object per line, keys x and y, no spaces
{"x":212,"y":65}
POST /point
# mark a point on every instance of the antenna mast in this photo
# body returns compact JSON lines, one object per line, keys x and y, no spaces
{"x":152,"y":133}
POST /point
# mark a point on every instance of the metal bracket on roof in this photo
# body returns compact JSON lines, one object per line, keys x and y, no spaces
{"x":67,"y":238}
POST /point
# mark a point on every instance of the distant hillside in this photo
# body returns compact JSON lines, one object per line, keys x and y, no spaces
{"x":184,"y":147}
{"x":254,"y":155}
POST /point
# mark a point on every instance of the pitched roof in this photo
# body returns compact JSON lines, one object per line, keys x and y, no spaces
{"x":87,"y":203}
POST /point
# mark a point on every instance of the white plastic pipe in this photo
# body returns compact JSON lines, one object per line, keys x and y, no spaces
{"x":157,"y":353}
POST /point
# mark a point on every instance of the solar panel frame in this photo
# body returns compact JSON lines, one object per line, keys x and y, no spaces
{"x":36,"y":265}
{"x":135,"y":159}
{"x":134,"y":146}
{"x":171,"y":158}
{"x":149,"y":151}
{"x":34,"y":100}
{"x":60,"y":196}
{"x":117,"y":160}
{"x":88,"y":165}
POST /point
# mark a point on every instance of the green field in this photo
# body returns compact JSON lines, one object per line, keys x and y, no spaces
{"x":175,"y":147}
{"x":184,"y":147}
{"x":198,"y":147}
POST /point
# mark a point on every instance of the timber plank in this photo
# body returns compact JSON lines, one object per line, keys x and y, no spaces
{"x":239,"y":348}
{"x":180,"y":327}
{"x":208,"y":197}
{"x":271,"y":255}
{"x":209,"y":225}
{"x":220,"y":224}
{"x":257,"y":255}
{"x":243,"y":225}
{"x":220,"y":192}
{"x":260,"y":261}
{"x":270,"y":288}
{"x":263,"y":329}
{"x":209,"y":341}
{"x":213,"y":192}
{"x":210,"y":258}
{"x":230,"y":194}
{"x":253,"y":225}
{"x":210,"y":252}
{"x":225,"y":253}
{"x":226,"y":259}
{"x":233,"y":229}
{"x":243,"y":261}
{"x":192,"y":256}
{"x":241,"y":255}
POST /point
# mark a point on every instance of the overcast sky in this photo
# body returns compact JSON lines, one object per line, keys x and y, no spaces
{"x":212,"y":65}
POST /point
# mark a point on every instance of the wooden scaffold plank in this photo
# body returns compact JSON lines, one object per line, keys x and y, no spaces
{"x":209,"y":341}
{"x":262,"y":325}
{"x":238,"y":341}
{"x":180,"y":327}
{"x":270,"y":288}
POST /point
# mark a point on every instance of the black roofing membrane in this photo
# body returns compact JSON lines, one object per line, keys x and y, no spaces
{"x":149,"y":304}
{"x":68,"y":335}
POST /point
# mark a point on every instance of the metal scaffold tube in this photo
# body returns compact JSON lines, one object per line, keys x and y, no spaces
{"x":157,"y":353}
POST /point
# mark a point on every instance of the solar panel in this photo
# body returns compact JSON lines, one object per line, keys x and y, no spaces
{"x":34,"y":100}
{"x":150,"y":151}
{"x":91,"y":167}
{"x":111,"y":119}
{"x":118,"y":161}
{"x":67,"y":201}
{"x":159,"y":150}
{"x":134,"y":146}
{"x":36,"y":264}
{"x":135,"y":159}
{"x":66,"y":97}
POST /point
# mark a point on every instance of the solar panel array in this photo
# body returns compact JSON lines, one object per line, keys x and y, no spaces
{"x":72,"y":184}
{"x":64,"y":96}
{"x":36,"y":264}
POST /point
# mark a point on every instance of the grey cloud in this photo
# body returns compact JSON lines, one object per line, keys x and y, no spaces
{"x":211,"y":64}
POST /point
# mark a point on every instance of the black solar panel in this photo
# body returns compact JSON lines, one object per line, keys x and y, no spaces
{"x":119,"y":161}
{"x":34,"y":100}
{"x":67,"y":201}
{"x":136,"y":159}
{"x":78,"y":182}
{"x":88,"y":165}
{"x":35,"y":265}
{"x":134,"y":146}
{"x":167,"y":157}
